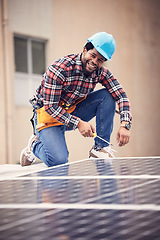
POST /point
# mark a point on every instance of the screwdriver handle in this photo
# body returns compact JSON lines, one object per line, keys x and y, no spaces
{"x":94,"y":134}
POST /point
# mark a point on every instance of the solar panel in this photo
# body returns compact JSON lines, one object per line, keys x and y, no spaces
{"x":89,"y":199}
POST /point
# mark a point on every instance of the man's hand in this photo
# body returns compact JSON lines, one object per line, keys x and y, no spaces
{"x":85,"y":129}
{"x":123,"y":136}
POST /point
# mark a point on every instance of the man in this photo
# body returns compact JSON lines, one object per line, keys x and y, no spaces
{"x":65,"y":100}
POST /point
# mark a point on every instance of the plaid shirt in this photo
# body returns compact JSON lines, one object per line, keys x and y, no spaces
{"x":65,"y":82}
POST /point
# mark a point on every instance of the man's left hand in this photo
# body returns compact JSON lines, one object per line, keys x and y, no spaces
{"x":123,"y":136}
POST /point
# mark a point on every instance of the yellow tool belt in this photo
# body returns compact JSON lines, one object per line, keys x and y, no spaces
{"x":45,"y":120}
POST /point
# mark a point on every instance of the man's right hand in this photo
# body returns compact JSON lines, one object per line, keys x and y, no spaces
{"x":85,"y":129}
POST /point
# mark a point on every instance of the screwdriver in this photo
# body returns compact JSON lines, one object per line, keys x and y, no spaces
{"x":95,"y":135}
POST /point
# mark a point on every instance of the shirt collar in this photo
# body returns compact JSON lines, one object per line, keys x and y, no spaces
{"x":78,"y":59}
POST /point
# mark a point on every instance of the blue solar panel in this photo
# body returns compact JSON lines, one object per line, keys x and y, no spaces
{"x":89,"y":199}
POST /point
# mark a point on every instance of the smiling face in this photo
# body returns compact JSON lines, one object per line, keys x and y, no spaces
{"x":91,"y":60}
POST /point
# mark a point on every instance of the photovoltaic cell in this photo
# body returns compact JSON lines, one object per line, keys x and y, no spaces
{"x":106,"y":191}
{"x":90,"y":199}
{"x":90,"y":167}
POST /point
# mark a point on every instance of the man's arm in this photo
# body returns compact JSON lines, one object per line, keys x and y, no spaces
{"x":122,"y":100}
{"x":52,"y":89}
{"x":118,"y":93}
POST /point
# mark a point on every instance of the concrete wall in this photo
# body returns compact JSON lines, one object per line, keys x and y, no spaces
{"x":135,"y":26}
{"x":66,"y":25}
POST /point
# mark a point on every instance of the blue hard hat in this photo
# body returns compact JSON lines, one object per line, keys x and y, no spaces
{"x":104,"y":43}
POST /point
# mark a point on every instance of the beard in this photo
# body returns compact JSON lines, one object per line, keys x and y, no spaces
{"x":84,"y":66}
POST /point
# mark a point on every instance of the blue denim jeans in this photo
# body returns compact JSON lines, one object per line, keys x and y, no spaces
{"x":51,"y":147}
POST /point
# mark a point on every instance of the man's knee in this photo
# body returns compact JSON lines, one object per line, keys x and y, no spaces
{"x":106,"y":96}
{"x":57,"y":159}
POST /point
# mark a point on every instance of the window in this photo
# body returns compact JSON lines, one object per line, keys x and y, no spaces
{"x":20,"y":46}
{"x":29,"y":67}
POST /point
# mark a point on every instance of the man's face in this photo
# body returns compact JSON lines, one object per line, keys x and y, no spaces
{"x":91,"y":60}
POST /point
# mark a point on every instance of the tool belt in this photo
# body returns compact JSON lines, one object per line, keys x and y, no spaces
{"x":45,"y":120}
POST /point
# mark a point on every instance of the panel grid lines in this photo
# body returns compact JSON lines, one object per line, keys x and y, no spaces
{"x":89,"y":199}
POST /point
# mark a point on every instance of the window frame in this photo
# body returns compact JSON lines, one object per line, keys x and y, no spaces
{"x":31,"y":78}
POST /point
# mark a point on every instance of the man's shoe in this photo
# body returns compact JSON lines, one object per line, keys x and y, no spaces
{"x":104,"y":153}
{"x":27,"y":157}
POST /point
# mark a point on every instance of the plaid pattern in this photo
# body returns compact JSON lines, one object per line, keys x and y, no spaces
{"x":64,"y":82}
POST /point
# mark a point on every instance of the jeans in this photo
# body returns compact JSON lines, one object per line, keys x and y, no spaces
{"x":51,"y":147}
